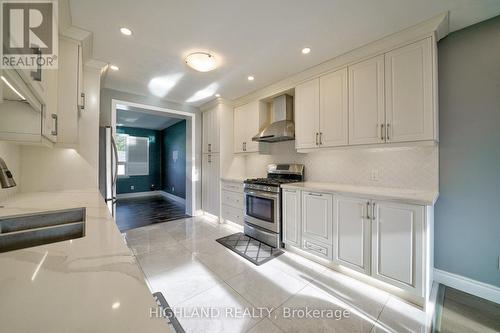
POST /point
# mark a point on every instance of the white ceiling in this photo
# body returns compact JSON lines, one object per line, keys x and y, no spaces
{"x":141,"y":118}
{"x":259,"y":38}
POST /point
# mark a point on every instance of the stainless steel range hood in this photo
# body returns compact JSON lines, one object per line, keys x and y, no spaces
{"x":282,"y":127}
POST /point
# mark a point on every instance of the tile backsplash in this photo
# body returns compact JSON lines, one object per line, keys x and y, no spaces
{"x":401,"y":167}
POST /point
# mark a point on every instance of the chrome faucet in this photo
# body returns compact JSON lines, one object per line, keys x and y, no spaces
{"x":6,"y":178}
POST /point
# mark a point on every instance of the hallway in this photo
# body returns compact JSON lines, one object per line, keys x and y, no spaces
{"x":133,"y":213}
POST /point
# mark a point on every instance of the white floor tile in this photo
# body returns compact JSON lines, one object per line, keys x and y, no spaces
{"x":225,"y":263}
{"x":265,"y":326}
{"x":297,"y":266}
{"x":182,"y":282}
{"x":174,"y":256}
{"x":202,"y":245}
{"x":332,"y":314}
{"x":225,"y":304}
{"x":399,"y":316}
{"x":265,"y":286}
{"x":360,"y":296}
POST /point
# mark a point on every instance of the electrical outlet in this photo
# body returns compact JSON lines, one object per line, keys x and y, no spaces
{"x":132,"y":187}
{"x":374,"y":175}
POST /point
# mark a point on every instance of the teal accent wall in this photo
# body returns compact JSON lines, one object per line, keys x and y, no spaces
{"x":174,"y":172}
{"x":467,"y":222}
{"x":153,"y":180}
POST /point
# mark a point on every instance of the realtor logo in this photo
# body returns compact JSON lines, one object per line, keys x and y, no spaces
{"x":29,"y":34}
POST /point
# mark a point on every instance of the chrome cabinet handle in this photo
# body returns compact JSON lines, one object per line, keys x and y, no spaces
{"x":382,"y":132}
{"x":367,"y":210}
{"x":373,"y":211}
{"x":55,"y":130}
{"x":387,"y":132}
{"x":320,"y":138}
{"x":209,"y":147}
{"x":317,"y":141}
{"x":82,"y":106}
{"x":209,"y":158}
{"x":316,"y":194}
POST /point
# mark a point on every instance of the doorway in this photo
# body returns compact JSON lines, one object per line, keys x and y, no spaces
{"x":155,"y":151}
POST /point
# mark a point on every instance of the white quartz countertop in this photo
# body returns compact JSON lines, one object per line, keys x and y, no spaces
{"x":427,"y":198}
{"x":234,"y":179}
{"x":90,"y":284}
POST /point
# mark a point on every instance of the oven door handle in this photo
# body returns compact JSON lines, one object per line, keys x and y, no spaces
{"x":262,"y":195}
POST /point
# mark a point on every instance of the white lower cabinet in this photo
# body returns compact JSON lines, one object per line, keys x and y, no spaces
{"x":351,"y":233}
{"x":397,"y":245}
{"x":382,"y":239}
{"x":317,"y":214}
{"x":291,"y":214}
{"x":232,"y":202}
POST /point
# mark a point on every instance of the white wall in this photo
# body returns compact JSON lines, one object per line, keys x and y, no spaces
{"x":52,"y":169}
{"x":410,"y":168}
{"x":11,"y":154}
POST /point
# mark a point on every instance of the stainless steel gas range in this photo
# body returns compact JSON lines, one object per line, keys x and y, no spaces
{"x":263,"y":202}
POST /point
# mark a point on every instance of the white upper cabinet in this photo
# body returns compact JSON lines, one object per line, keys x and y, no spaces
{"x":291,"y":217}
{"x":410,"y":114}
{"x":246,"y":126}
{"x":351,"y":230}
{"x":333,"y":114}
{"x":321,"y":112}
{"x":307,"y":114}
{"x":211,"y":131}
{"x":397,"y":245}
{"x":366,"y":102}
{"x":70,"y":99}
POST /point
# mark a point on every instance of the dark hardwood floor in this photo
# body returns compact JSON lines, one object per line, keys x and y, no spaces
{"x":138,"y":212}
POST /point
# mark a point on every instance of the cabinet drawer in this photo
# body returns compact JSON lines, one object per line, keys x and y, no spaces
{"x":317,"y":248}
{"x":232,"y":186}
{"x":232,"y":214}
{"x":233,"y":199}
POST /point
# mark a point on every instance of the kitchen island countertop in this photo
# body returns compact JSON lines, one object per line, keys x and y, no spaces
{"x":89,"y":284}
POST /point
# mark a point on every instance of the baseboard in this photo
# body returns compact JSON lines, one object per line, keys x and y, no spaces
{"x":173,"y":197}
{"x":474,"y":287}
{"x":137,"y":194}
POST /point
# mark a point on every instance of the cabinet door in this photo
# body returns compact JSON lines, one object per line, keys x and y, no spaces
{"x":333,"y":114}
{"x":205,"y":184}
{"x":366,"y":102}
{"x":351,"y":233}
{"x":214,"y":185}
{"x":409,"y":93}
{"x":50,"y":121}
{"x":317,"y":216}
{"x":251,"y":126}
{"x":215,"y":130}
{"x":239,"y":129}
{"x":397,"y":237}
{"x":307,"y":114}
{"x":69,"y":76}
{"x":291,"y":217}
{"x":207,"y":125}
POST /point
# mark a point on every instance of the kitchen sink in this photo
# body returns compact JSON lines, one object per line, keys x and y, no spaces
{"x":28,"y":230}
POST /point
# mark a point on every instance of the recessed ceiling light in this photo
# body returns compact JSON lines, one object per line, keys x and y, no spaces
{"x":126,"y":31}
{"x":306,"y":50}
{"x":217,"y":95}
{"x":114,"y":67}
{"x":201,"y":61}
{"x":251,"y":78}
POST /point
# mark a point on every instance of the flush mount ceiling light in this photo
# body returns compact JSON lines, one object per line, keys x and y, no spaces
{"x":126,"y":31}
{"x":306,"y":50}
{"x":201,"y":61}
{"x":251,"y":78}
{"x":114,"y":67}
{"x":217,"y":95}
